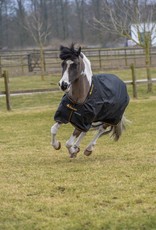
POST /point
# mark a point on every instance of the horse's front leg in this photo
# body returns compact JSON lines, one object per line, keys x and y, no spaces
{"x":56,"y":144}
{"x":72,"y":145}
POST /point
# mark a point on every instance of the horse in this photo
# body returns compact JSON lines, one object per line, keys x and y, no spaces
{"x":89,"y":102}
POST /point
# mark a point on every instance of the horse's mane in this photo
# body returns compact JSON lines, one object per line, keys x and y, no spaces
{"x":69,"y":52}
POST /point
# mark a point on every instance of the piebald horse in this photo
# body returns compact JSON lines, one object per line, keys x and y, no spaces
{"x":90,"y":101}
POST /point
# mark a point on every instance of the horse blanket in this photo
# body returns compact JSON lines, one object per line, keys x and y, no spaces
{"x":106,"y":102}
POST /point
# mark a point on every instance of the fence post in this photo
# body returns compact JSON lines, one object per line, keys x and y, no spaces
{"x":22,"y":64}
{"x":134,"y":81}
{"x":99,"y":58}
{"x":7,"y":89}
{"x":0,"y":62}
{"x":125,"y":57}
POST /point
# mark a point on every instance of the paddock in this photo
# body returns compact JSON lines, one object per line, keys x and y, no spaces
{"x":44,"y":189}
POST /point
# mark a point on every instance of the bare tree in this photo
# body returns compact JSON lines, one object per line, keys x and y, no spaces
{"x":96,"y":7}
{"x":80,"y":14}
{"x":1,"y":29}
{"x":4,"y":22}
{"x":120,"y":15}
{"x":35,"y":25}
{"x":20,"y":14}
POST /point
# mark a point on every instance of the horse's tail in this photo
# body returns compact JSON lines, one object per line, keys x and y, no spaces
{"x":119,"y":128}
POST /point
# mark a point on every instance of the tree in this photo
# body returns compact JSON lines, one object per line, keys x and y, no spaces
{"x":1,"y":29}
{"x":119,"y":15}
{"x":35,"y":25}
{"x":4,"y":22}
{"x":64,"y":18}
{"x":20,"y":14}
{"x":80,"y":15}
{"x":96,"y":7}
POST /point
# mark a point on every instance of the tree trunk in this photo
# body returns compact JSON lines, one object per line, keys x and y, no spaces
{"x":42,"y":61}
{"x":1,"y":29}
{"x":80,"y":15}
{"x":148,"y":65}
{"x":63,"y":22}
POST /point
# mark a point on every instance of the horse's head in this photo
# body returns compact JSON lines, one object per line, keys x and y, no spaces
{"x":72,"y":66}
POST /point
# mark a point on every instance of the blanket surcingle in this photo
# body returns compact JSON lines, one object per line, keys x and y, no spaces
{"x":106,"y":102}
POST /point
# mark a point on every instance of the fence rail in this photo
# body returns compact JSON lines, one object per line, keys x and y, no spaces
{"x":8,"y":93}
{"x":25,"y":62}
{"x":22,"y":62}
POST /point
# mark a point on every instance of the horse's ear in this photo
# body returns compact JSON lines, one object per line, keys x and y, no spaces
{"x":79,"y":51}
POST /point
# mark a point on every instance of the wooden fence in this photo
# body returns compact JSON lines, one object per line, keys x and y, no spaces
{"x":7,"y":89}
{"x":24,"y":62}
{"x":134,"y":82}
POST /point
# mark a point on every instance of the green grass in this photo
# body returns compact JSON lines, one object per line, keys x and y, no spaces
{"x":42,"y":188}
{"x":126,"y":74}
{"x":49,"y":99}
{"x":29,"y":101}
{"x":51,"y":81}
{"x":31,"y":82}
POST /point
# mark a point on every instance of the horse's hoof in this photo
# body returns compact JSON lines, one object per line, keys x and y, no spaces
{"x":57,"y":147}
{"x":73,"y":151}
{"x":87,"y":152}
{"x":73,"y":155}
{"x":77,"y":149}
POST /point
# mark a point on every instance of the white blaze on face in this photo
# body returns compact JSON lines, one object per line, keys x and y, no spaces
{"x":65,"y":76}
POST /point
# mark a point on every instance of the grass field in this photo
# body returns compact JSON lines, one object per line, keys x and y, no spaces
{"x":114,"y":188}
{"x":51,"y":81}
{"x":43,"y":189}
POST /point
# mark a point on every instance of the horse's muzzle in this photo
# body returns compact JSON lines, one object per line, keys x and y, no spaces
{"x":64,"y":85}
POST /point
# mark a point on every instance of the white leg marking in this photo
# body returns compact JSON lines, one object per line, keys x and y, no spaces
{"x":75,"y":147}
{"x":54,"y":129}
{"x":72,"y":147}
{"x":70,"y":142}
{"x":69,"y":145}
{"x":91,"y":145}
{"x":79,"y":139}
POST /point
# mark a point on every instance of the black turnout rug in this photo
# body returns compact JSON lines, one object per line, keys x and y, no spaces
{"x":106,"y":102}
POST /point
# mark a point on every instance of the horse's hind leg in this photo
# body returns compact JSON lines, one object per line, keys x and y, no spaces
{"x":118,"y":129}
{"x":91,"y":145}
{"x":101,"y":131}
{"x":56,"y":144}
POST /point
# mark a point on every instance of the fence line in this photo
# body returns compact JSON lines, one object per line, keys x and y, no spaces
{"x":7,"y":93}
{"x":21,"y":62}
{"x":31,"y":91}
{"x":24,"y":61}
